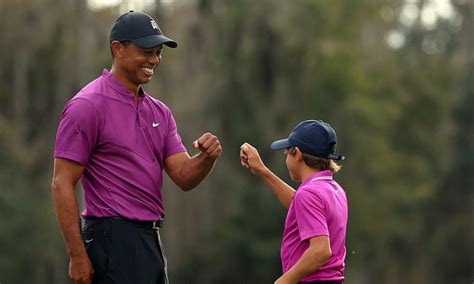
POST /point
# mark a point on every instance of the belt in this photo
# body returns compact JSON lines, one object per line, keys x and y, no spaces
{"x":147,"y":224}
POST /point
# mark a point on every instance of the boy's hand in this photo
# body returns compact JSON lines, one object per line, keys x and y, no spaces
{"x":284,"y":280}
{"x":250,"y":159}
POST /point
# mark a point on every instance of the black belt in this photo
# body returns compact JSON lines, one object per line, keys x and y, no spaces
{"x":146,"y":224}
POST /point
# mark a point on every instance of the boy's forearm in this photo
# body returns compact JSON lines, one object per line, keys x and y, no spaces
{"x":309,"y":262}
{"x":282,"y":190}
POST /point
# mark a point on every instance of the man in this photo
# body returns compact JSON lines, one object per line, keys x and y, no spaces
{"x":313,"y":247}
{"x":117,"y":140}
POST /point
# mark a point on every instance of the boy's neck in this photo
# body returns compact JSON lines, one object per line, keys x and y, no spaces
{"x":307,"y":171}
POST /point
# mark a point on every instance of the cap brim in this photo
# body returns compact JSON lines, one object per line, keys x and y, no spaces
{"x":154,"y":40}
{"x":280,"y":144}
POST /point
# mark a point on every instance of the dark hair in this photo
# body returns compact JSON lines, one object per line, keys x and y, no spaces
{"x":316,"y":162}
{"x":125,"y":43}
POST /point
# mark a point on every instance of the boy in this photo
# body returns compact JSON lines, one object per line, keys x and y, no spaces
{"x":313,"y":246}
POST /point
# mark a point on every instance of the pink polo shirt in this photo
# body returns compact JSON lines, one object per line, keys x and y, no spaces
{"x":319,"y":208}
{"x":122,"y":144}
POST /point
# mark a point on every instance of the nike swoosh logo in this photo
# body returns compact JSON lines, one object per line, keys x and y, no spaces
{"x":155,"y":124}
{"x":88,"y":241}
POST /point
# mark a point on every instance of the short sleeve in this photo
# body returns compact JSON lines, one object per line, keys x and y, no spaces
{"x":77,"y":132}
{"x":310,"y":214}
{"x":173,"y":141}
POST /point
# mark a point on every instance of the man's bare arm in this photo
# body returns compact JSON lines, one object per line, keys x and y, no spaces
{"x":65,"y":177}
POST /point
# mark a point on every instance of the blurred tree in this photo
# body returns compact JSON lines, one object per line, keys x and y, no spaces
{"x":44,"y":47}
{"x":450,"y":214}
{"x":398,"y":91}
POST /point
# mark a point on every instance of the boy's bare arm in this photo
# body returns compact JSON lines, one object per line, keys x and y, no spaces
{"x":318,"y":252}
{"x":250,"y":159}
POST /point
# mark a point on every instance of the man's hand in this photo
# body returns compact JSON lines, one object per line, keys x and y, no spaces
{"x":250,"y":159}
{"x":209,"y":145}
{"x":80,"y":269}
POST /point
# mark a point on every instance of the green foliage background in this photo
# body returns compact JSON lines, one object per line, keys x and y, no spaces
{"x":248,"y":71}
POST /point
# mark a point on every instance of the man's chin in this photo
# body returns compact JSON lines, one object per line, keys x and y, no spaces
{"x":145,"y":80}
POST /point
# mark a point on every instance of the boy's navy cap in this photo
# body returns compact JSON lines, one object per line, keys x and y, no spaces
{"x":140,"y":29}
{"x":313,"y":137}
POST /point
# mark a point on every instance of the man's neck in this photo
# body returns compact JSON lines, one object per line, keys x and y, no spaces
{"x":122,"y":79}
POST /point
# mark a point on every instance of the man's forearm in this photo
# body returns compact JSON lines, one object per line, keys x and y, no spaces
{"x":195,"y":170}
{"x":67,"y":213}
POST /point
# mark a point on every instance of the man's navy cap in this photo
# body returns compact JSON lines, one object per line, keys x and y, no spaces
{"x":313,"y":137}
{"x":140,"y":29}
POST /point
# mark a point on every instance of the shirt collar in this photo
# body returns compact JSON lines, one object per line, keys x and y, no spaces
{"x":118,"y":86}
{"x":326,"y":174}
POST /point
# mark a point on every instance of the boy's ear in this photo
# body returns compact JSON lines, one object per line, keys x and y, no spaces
{"x":298,"y":154}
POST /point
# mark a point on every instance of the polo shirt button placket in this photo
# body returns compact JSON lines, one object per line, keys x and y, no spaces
{"x":140,"y":117}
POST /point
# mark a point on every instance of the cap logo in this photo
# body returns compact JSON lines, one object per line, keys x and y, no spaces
{"x":154,"y":24}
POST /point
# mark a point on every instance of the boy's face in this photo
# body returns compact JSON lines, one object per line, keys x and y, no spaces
{"x":292,"y":165}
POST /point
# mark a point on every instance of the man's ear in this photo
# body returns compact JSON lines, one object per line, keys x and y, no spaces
{"x":117,"y":48}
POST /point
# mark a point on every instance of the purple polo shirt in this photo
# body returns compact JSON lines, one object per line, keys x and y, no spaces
{"x":122,"y":144}
{"x":319,"y":208}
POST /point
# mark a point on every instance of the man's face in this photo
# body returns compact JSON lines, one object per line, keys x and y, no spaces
{"x":138,"y":64}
